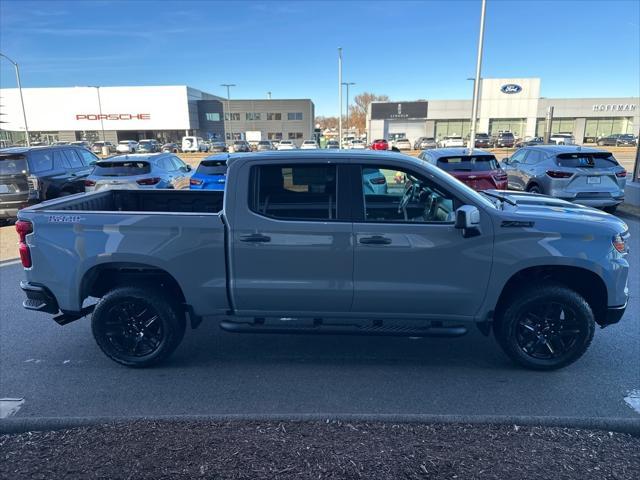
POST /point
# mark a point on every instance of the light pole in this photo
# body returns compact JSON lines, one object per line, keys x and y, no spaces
{"x":100,"y":110}
{"x":24,"y":113}
{"x":269,"y":95}
{"x":348,"y":84}
{"x":229,"y":85}
{"x":340,"y":97}
{"x":476,"y":82}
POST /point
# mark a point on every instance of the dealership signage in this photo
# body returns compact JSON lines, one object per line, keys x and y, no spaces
{"x":398,"y":110}
{"x":113,"y":116}
{"x":615,"y":107}
{"x":510,"y":88}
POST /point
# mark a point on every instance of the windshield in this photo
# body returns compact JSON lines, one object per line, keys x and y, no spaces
{"x":121,"y":169}
{"x":468,"y":163}
{"x":12,"y":164}
{"x":212,"y":167}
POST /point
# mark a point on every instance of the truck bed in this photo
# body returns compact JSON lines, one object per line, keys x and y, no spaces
{"x":165,"y":201}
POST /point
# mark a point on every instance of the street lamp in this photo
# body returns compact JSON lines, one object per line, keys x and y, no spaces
{"x":348,"y":84}
{"x":24,"y":113}
{"x":476,"y":83}
{"x":229,"y":85}
{"x":99,"y":109}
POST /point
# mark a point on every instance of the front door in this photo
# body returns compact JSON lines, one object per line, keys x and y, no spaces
{"x":292,"y":251}
{"x":514,"y":170}
{"x":409,"y":258}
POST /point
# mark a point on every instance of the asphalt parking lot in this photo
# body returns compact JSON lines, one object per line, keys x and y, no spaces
{"x":53,"y":371}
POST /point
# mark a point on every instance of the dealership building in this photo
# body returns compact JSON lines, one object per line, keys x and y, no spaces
{"x":505,"y":104}
{"x":165,"y":113}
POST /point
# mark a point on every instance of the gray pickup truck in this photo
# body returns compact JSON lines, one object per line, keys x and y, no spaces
{"x":369,"y":243}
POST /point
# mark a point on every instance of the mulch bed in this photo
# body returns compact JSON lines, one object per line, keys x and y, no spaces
{"x":318,"y":450}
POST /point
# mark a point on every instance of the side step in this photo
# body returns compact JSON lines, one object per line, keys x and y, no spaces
{"x":434,"y":329}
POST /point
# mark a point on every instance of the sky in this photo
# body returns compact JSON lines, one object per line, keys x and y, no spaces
{"x":406,"y":50}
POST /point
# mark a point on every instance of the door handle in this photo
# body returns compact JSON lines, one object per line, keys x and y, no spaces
{"x":375,"y":240}
{"x":255,"y":238}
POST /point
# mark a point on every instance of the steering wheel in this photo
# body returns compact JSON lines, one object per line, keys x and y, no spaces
{"x":410,"y":191}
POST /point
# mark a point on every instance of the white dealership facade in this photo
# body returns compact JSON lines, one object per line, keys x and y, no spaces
{"x":166,"y":113}
{"x":506,"y":104}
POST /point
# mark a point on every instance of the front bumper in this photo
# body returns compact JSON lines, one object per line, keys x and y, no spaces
{"x":39,"y":298}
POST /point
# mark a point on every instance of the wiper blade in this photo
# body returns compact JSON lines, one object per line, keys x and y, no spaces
{"x":500,"y":197}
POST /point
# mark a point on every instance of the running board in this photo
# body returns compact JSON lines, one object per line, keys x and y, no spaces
{"x":318,"y":328}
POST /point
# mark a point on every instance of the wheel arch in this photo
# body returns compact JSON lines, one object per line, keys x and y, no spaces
{"x":582,"y":280}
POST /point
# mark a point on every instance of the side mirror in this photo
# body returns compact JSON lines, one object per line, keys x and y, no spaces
{"x":505,"y":160}
{"x":468,"y":220}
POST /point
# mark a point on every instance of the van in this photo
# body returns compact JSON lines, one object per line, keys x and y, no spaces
{"x":193,"y":144}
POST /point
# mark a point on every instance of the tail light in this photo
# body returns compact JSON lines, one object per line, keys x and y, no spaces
{"x":24,"y":228}
{"x":34,"y":186}
{"x":557,"y":174}
{"x":89,"y":183}
{"x":500,"y":177}
{"x":621,"y":174}
{"x":195,"y":181}
{"x":379,"y":181}
{"x":619,"y":243}
{"x":148,"y":181}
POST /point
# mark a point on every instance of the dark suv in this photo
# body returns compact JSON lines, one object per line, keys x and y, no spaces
{"x":504,"y":139}
{"x":31,"y":175}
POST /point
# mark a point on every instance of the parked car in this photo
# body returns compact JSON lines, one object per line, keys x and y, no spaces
{"x":210,"y":174}
{"x":618,"y":140}
{"x":264,"y":145}
{"x":286,"y":145}
{"x":80,"y":143}
{"x":97,"y":147}
{"x":529,"y":141}
{"x":402,"y":144}
{"x":426,"y":143}
{"x":580,"y":174}
{"x":428,"y":258}
{"x":193,"y":144}
{"x":32,"y":175}
{"x":504,"y":140}
{"x":357,"y":144}
{"x":241,"y":146}
{"x":333,"y":144}
{"x":309,"y":145}
{"x":170,"y":148}
{"x":148,"y":146}
{"x":562,"y":139}
{"x":380,"y":144}
{"x":483,"y":140}
{"x":451,"y":141}
{"x":478,"y":169}
{"x":156,"y":170}
{"x":218,"y":146}
{"x":127,"y":146}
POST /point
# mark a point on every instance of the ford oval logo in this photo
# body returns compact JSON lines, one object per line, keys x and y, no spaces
{"x":511,"y":88}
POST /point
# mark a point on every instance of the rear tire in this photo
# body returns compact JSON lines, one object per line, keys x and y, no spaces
{"x":611,"y":209}
{"x":534,"y":189}
{"x":137,"y":326}
{"x":545,"y":327}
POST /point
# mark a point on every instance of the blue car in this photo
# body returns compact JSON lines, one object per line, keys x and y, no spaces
{"x":211,"y":174}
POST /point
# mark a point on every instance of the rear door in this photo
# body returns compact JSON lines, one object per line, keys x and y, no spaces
{"x":181,"y":173}
{"x":409,"y":258}
{"x":79,"y":161}
{"x":513,"y":169}
{"x":292,"y":251}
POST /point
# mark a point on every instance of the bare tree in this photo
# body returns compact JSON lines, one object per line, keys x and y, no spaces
{"x":358,"y":111}
{"x":327,"y":122}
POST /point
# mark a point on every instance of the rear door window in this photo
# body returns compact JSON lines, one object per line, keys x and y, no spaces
{"x":12,"y":164}
{"x":121,"y":169}
{"x":294,"y":192}
{"x":166,"y":164}
{"x":40,"y":161}
{"x":468,"y":163}
{"x":582,"y":160}
{"x":87,"y":157}
{"x":73,"y":158}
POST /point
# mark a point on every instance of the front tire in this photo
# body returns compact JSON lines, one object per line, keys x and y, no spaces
{"x":611,"y":209}
{"x":545,"y":327}
{"x":137,"y":326}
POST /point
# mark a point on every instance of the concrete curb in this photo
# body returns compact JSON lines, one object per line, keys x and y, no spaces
{"x":630,"y":426}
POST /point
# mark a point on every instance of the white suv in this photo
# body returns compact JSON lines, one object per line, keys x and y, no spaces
{"x":562,"y":139}
{"x":451,"y":142}
{"x":127,"y":146}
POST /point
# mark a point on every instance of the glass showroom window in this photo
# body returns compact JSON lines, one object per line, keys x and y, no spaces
{"x":274,"y":136}
{"x":602,"y":127}
{"x":451,"y":128}
{"x":295,"y":135}
{"x":513,"y":125}
{"x":212,"y":117}
{"x":274,"y":116}
{"x":234,"y":116}
{"x":294,"y":116}
{"x":559,"y":125}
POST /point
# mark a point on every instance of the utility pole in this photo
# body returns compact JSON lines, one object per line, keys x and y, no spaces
{"x":340,"y":97}
{"x":476,"y":83}
{"x":24,"y":113}
{"x":269,"y":95}
{"x":100,"y":111}
{"x":347,"y":85}
{"x":547,"y":130}
{"x":229,"y":85}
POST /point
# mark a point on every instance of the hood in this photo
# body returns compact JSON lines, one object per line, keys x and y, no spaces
{"x":532,"y":207}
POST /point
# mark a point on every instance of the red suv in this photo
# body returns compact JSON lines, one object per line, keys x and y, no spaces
{"x":477,"y":168}
{"x":380,"y":144}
